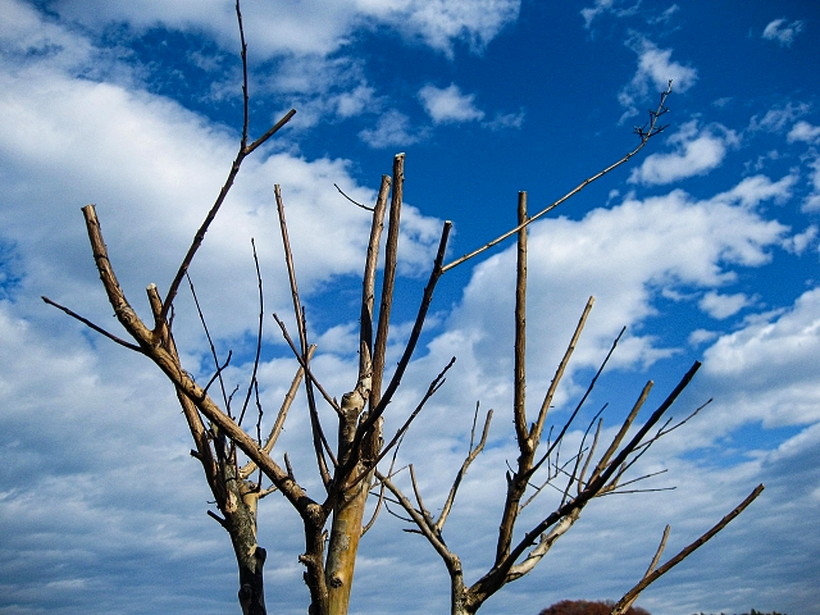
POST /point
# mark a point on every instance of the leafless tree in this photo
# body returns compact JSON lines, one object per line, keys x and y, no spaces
{"x":240,"y":465}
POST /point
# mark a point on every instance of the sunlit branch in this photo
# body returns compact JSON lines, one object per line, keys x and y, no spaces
{"x":391,"y":252}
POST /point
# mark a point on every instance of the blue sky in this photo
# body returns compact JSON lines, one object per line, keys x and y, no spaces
{"x":705,"y":247}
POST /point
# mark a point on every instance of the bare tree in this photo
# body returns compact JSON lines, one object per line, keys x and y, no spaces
{"x":237,"y":459}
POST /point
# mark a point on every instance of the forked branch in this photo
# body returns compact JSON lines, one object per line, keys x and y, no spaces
{"x":653,"y":574}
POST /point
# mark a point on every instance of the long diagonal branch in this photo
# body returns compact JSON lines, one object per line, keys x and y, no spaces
{"x":645,"y":133}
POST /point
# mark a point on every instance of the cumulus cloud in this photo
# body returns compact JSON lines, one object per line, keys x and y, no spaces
{"x":799,"y":242}
{"x":449,"y":105}
{"x":312,"y":27}
{"x":153,"y":169}
{"x":442,"y":23}
{"x":804,"y":131}
{"x":696,"y":152}
{"x":655,"y":69}
{"x":812,"y":200}
{"x":782,"y":31}
{"x":752,"y":190}
{"x":502,"y":121}
{"x":624,"y":256}
{"x":775,"y":358}
{"x":721,"y":306}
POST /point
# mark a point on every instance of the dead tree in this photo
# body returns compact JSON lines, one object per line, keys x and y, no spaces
{"x":236,"y":459}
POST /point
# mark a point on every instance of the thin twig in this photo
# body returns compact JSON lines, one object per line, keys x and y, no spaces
{"x":93,"y":326}
{"x":199,"y":237}
{"x":210,"y":342}
{"x":434,"y":386}
{"x":243,"y":54}
{"x":583,"y":399}
{"x":356,"y":203}
{"x":260,"y":321}
{"x":306,"y":365}
{"x":472,"y":453}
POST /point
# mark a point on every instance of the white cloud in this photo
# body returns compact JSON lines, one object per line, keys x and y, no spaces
{"x":782,"y":31}
{"x":602,"y":7}
{"x":321,"y":88}
{"x":779,"y":117}
{"x":354,"y":102}
{"x":812,"y":201}
{"x":776,"y":360}
{"x":442,"y":23}
{"x":625,"y":256}
{"x":655,"y":69}
{"x":697,"y":151}
{"x":392,"y":129}
{"x":701,"y":336}
{"x":722,"y":306}
{"x":309,"y":27}
{"x":502,"y":121}
{"x":449,"y":105}
{"x":757,"y":188}
{"x":797,"y":244}
{"x":804,"y":131}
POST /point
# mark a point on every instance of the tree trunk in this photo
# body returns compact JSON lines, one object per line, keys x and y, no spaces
{"x":251,"y":583}
{"x":344,"y":545}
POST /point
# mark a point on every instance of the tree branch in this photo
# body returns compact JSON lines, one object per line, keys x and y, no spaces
{"x":93,"y":326}
{"x":646,"y":132}
{"x":653,"y":575}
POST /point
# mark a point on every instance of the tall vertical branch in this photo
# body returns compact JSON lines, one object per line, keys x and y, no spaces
{"x":518,"y":480}
{"x":520,"y":358}
{"x":389,"y":279}
{"x":298,"y":312}
{"x":415,"y":333}
{"x":369,"y":282}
